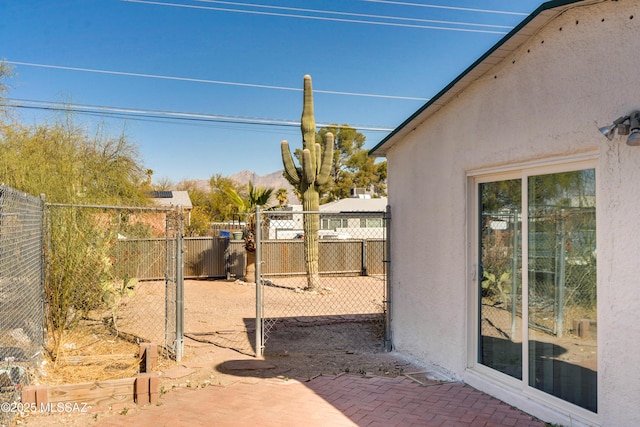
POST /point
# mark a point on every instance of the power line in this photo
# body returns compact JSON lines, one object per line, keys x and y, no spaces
{"x":143,"y":114}
{"x":319,"y":18}
{"x":435,"y":6}
{"x":360,"y":15}
{"x":219,"y":82}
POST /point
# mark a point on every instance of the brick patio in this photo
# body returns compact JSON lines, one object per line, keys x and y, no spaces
{"x":343,"y":400}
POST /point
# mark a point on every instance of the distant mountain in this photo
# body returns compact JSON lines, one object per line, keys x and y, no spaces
{"x":273,"y":180}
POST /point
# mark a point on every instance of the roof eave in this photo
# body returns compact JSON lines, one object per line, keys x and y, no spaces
{"x":503,"y":48}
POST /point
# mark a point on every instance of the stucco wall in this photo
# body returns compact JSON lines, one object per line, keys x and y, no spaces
{"x":546,"y":101}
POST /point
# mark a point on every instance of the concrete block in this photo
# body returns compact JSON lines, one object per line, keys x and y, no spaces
{"x":154,"y":388}
{"x":42,"y":394}
{"x":141,"y":393}
{"x":29,"y":394}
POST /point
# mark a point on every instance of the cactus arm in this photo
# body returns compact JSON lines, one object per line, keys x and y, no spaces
{"x":290,"y":170}
{"x":308,"y":167}
{"x":308,"y":121}
{"x":327,"y":160}
{"x":318,"y":163}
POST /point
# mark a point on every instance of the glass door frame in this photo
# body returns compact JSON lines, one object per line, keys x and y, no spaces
{"x":474,"y":179}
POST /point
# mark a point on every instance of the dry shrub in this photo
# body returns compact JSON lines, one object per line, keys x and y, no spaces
{"x":91,"y":353}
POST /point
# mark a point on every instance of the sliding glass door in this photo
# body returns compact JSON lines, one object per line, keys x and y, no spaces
{"x":548,"y":278}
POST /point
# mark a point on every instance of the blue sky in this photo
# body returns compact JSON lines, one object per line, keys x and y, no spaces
{"x":235,"y":59}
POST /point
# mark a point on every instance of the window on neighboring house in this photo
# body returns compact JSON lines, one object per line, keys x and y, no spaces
{"x":285,"y":216}
{"x":333,"y":223}
{"x":370,"y":222}
{"x":547,"y":277}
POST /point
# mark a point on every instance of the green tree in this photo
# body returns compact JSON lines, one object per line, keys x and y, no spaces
{"x":352,"y":166}
{"x":221,"y":206}
{"x":5,"y":73}
{"x":215,"y":204}
{"x":281,"y":196}
{"x":256,"y":196}
{"x":68,"y":165}
{"x":199,"y":222}
{"x":197,"y":195}
{"x":200,"y":217}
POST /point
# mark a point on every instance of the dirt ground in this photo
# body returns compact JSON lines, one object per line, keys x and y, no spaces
{"x":219,"y":315}
{"x":219,"y":346}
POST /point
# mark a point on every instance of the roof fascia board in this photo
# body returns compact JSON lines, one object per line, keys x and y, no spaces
{"x":510,"y":42}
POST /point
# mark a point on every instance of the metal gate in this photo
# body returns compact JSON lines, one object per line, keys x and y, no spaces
{"x":122,"y":266}
{"x":348,"y":307}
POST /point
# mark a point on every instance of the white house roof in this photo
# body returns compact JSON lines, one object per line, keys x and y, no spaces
{"x":354,"y":204}
{"x":508,"y":44}
{"x":172,"y":198}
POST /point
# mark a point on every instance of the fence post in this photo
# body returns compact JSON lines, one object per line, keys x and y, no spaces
{"x":560,"y":275}
{"x":43,"y":260}
{"x":227,"y":257}
{"x":388,"y":346}
{"x":514,"y":275}
{"x":258,"y":235}
{"x":179,"y":286}
{"x":363,"y":270}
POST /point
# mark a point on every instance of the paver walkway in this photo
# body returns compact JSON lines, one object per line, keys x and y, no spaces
{"x":343,"y":400}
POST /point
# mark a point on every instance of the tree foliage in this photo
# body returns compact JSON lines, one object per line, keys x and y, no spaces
{"x":222,"y":208}
{"x":64,"y":162}
{"x":199,"y":222}
{"x":255,"y":196}
{"x":246,"y":205}
{"x":281,"y":196}
{"x":352,"y":166}
{"x":5,"y":73}
{"x":69,"y":165}
{"x":225,"y":200}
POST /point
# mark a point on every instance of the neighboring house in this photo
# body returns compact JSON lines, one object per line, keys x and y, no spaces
{"x":285,"y":223}
{"x":499,"y":188}
{"x":172,"y":198}
{"x":357,"y":217}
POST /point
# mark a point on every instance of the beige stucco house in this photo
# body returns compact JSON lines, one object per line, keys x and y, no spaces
{"x":516,"y":268}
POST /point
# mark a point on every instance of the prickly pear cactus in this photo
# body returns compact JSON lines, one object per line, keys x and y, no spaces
{"x":315,"y":171}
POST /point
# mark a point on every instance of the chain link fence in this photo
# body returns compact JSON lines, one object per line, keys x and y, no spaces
{"x":501,"y":275}
{"x":21,"y":298}
{"x":72,"y":267}
{"x":346,"y":312}
{"x":116,"y":266}
{"x":561,"y":272}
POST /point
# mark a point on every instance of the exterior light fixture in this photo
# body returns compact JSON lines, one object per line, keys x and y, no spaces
{"x":625,"y":125}
{"x":634,"y":124}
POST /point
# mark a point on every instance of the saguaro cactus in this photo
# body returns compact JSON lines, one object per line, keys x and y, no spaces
{"x":315,"y":171}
